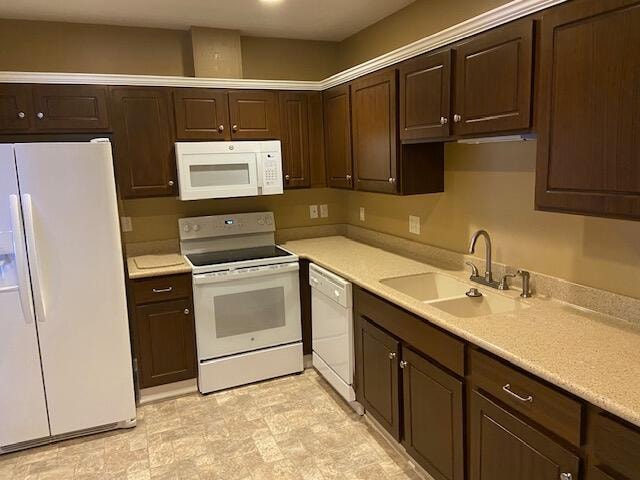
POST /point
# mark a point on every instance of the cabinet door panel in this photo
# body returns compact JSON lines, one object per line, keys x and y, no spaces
{"x":596,"y":474}
{"x":143,"y":141}
{"x":589,"y":109}
{"x":433,"y":428}
{"x":374,"y":122}
{"x":503,"y":447}
{"x":254,"y":115}
{"x":201,"y":114}
{"x":15,"y":109}
{"x":166,"y":343}
{"x":425,"y":86}
{"x":337,"y":135}
{"x":70,"y":107}
{"x":294,"y":117}
{"x":378,"y":383}
{"x":493,"y":81}
{"x":317,"y":166}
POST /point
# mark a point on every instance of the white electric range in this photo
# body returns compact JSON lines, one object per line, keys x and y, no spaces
{"x":246,"y":299}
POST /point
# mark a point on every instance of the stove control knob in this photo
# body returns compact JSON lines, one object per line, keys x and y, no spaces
{"x":260,"y":220}
{"x":187,"y":227}
{"x":196,"y":227}
{"x":269,"y":221}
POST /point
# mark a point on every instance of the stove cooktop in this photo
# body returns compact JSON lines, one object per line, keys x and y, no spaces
{"x":241,"y":255}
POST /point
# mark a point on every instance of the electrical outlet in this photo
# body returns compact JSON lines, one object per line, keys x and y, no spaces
{"x":362,"y":214}
{"x":313,"y":211}
{"x":414,"y":224}
{"x":324,"y":210}
{"x":126,"y":224}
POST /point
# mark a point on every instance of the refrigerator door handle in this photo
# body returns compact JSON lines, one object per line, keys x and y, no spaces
{"x":38,"y":293}
{"x":24,"y":288}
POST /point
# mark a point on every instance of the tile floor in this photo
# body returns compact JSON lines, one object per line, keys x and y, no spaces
{"x":290,"y":428}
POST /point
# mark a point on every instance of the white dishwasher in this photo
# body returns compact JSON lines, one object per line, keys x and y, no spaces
{"x":332,"y":330}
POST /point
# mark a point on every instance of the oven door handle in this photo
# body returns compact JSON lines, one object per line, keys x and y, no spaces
{"x":248,"y":272}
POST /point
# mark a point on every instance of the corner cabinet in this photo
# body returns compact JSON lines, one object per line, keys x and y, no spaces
{"x":375,"y":132}
{"x":337,"y":136}
{"x":493,"y":81}
{"x":302,"y":139}
{"x":589,"y":109}
{"x":425,"y":91}
{"x":144,"y":141}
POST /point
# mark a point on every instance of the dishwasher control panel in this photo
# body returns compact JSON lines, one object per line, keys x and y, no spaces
{"x":330,"y":285}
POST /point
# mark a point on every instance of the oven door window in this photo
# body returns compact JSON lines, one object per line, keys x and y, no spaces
{"x":245,"y":314}
{"x":249,"y":312}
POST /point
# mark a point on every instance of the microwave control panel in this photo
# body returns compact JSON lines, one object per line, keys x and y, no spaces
{"x":271,"y":173}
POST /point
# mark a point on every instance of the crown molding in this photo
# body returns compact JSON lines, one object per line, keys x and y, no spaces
{"x":485,"y":21}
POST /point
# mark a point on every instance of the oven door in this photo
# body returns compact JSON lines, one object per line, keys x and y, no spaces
{"x":246,"y":309}
{"x":204,"y":172}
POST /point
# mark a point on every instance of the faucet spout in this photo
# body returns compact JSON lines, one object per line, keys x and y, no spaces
{"x":488,"y":276}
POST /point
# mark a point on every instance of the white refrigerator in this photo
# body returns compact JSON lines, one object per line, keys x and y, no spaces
{"x":65,"y":358}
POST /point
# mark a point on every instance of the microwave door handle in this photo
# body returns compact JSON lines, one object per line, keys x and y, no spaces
{"x":260,"y":170}
{"x":29,"y":229}
{"x":20,"y":250}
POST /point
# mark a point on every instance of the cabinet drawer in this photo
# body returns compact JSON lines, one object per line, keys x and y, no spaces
{"x":617,"y":446}
{"x":549,"y":408}
{"x":438,"y":345}
{"x":158,"y":289}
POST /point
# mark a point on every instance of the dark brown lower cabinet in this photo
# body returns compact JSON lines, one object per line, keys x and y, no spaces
{"x":378,"y":386}
{"x":433,"y":419}
{"x":167,"y":352}
{"x":163,"y":329}
{"x":503,"y":447}
{"x":596,"y":474}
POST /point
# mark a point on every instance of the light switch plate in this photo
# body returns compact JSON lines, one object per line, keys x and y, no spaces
{"x":414,"y":224}
{"x":313,"y":211}
{"x":126,"y":224}
{"x":324,"y":210}
{"x":362,"y":214}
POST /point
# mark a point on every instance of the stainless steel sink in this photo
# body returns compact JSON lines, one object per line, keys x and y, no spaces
{"x":427,"y":286}
{"x":467,"y":307}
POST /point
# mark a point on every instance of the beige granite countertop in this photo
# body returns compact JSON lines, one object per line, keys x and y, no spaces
{"x":591,"y":355}
{"x":156,"y":265}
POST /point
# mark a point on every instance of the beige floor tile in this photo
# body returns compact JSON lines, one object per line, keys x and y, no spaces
{"x":294,"y":427}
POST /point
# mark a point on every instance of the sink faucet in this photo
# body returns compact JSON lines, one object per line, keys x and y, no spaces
{"x":488,"y":276}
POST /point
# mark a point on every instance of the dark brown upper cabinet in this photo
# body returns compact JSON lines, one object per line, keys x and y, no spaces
{"x":15,"y":108}
{"x":378,"y":388}
{"x":337,"y":136}
{"x":425,"y":91}
{"x":503,"y":447}
{"x":53,"y":108}
{"x":201,"y":114}
{"x":254,"y":115}
{"x":375,"y":132}
{"x":493,"y":81}
{"x":433,"y":417}
{"x":317,"y":168}
{"x":294,"y":119}
{"x":143,"y":141}
{"x":589,"y":109}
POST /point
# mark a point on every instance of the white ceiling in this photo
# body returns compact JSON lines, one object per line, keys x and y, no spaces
{"x":304,"y":19}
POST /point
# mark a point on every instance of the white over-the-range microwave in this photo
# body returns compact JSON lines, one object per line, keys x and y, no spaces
{"x":228,"y":169}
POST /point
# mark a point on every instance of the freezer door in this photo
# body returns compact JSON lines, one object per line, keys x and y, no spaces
{"x":75,"y":258}
{"x":23,"y":410}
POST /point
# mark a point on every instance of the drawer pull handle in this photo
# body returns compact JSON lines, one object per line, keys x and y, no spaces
{"x":162,"y":290}
{"x":507,"y":389}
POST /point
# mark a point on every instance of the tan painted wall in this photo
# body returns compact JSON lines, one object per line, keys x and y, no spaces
{"x":34,"y":46}
{"x":217,"y":52}
{"x":415,"y":21}
{"x":491,"y":186}
{"x":284,"y":59}
{"x":157,"y":218}
{"x":73,"y":47}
